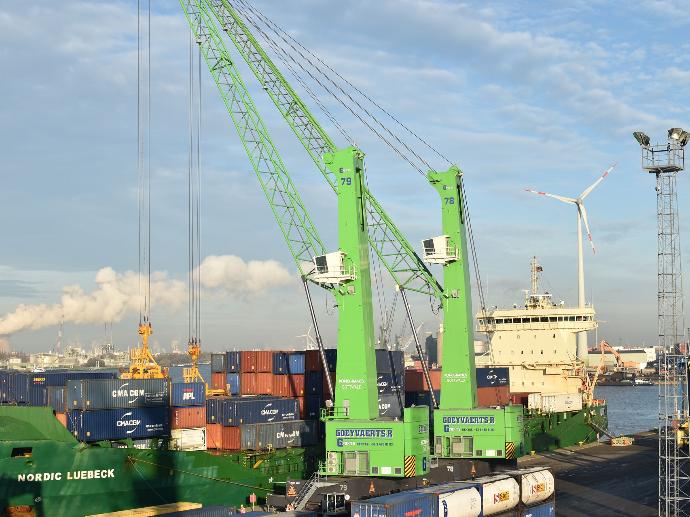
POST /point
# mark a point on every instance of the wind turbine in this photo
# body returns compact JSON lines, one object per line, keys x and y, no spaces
{"x":581,"y":216}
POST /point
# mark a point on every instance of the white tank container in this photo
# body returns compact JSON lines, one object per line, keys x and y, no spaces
{"x":536,"y":484}
{"x":456,"y":499}
{"x":499,"y":494}
{"x":555,"y":403}
{"x":193,"y":439}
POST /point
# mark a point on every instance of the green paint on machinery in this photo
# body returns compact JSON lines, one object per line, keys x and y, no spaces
{"x":345,"y":272}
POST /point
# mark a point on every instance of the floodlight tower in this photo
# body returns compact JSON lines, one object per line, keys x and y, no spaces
{"x":665,"y":161}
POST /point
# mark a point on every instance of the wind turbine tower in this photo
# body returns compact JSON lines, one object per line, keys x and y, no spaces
{"x":665,"y":161}
{"x":581,"y":217}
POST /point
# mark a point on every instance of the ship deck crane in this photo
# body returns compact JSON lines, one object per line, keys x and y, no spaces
{"x":492,"y":432}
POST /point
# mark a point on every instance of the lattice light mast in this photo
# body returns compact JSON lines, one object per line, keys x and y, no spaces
{"x":665,"y":161}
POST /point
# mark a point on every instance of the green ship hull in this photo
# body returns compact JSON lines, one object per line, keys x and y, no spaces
{"x":550,"y":431}
{"x":44,"y":468}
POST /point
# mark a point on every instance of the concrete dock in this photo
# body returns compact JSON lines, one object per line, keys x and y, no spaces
{"x":601,"y":480}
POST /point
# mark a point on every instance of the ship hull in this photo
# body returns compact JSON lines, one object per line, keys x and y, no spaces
{"x":551,"y":431}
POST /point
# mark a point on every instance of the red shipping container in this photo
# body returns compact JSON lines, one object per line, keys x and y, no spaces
{"x":493,"y":396}
{"x":519,"y":398}
{"x":187,"y":417}
{"x":301,"y":407}
{"x":414,"y":380}
{"x":62,"y":418}
{"x":218,"y":380}
{"x":247,"y":383}
{"x":281,"y":387}
{"x":247,"y":362}
{"x":296,"y":384}
{"x":264,"y":361}
{"x":222,"y":438}
{"x":264,"y":384}
{"x":312,"y":361}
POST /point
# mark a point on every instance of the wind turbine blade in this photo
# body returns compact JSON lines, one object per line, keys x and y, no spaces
{"x":583,"y":213}
{"x":560,"y":198}
{"x":594,"y":185}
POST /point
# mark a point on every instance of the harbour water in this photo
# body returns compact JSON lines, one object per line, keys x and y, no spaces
{"x":631,"y":409}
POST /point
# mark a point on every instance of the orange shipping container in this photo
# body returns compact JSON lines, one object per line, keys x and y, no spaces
{"x":222,"y":438}
{"x":62,"y":418}
{"x":493,"y":396}
{"x":218,"y":380}
{"x":247,"y":383}
{"x":264,"y":384}
{"x":301,"y":407}
{"x":288,"y":385}
{"x":264,"y":361}
{"x":214,"y":438}
{"x":187,"y":417}
{"x":247,"y":362}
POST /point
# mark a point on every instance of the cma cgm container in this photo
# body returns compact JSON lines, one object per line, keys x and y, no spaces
{"x":279,"y":435}
{"x":118,"y":424}
{"x":184,"y":394}
{"x":390,"y":405}
{"x":455,"y":499}
{"x":232,"y":362}
{"x":403,"y":504}
{"x":487,"y":377}
{"x":250,"y":410}
{"x":117,"y":393}
{"x":390,"y":382}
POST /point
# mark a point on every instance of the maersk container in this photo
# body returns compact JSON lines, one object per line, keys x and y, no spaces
{"x":218,"y":363}
{"x":118,"y":424}
{"x":117,"y":393}
{"x":279,"y":435}
{"x":184,"y":394}
{"x":455,"y":499}
{"x":487,"y":377}
{"x":233,"y":362}
{"x":390,"y":405}
{"x":232,"y":382}
{"x":500,"y":493}
{"x":176,"y":373}
{"x":547,"y":509}
{"x":403,"y":504}
{"x":536,"y":484}
{"x":280,"y":363}
{"x":296,"y":363}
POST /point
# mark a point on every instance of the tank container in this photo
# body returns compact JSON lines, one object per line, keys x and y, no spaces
{"x":536,"y":484}
{"x":500,"y":493}
{"x":188,"y":439}
{"x":456,"y":499}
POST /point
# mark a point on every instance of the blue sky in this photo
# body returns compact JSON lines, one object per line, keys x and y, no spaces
{"x":518,"y":94}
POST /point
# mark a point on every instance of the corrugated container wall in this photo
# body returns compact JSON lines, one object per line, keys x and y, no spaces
{"x":117,"y":393}
{"x":233,"y":362}
{"x":297,"y":363}
{"x":391,"y":405}
{"x":218,"y":380}
{"x":404,"y":504}
{"x":493,"y":396}
{"x":232,"y":382}
{"x":547,"y":509}
{"x":188,"y":394}
{"x":280,"y":363}
{"x":218,"y":363}
{"x":456,"y":499}
{"x":57,"y":399}
{"x":247,"y":361}
{"x":264,"y":361}
{"x":187,"y":417}
{"x":118,"y":424}
{"x":223,"y":438}
{"x":280,"y":435}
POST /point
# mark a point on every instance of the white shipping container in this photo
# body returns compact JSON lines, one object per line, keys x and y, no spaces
{"x":500,"y":494}
{"x":559,"y":402}
{"x":534,"y":401}
{"x":193,"y":439}
{"x":464,"y":502}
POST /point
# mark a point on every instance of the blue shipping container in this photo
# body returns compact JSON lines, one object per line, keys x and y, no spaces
{"x":117,"y":393}
{"x":313,"y":383}
{"x":296,"y":363}
{"x":397,"y":505}
{"x":38,"y":396}
{"x":488,"y":377}
{"x":280,"y":363}
{"x":176,"y":373}
{"x":390,"y":361}
{"x":118,"y":424}
{"x":187,"y":394}
{"x":421,"y":398}
{"x":56,"y":398}
{"x":218,"y":363}
{"x":331,"y":358}
{"x":18,"y":387}
{"x":233,"y":383}
{"x":235,"y":411}
{"x":233,"y":362}
{"x":547,"y":509}
{"x":312,"y":407}
{"x":390,"y":383}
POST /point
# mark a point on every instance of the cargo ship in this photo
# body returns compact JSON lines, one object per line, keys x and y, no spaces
{"x":536,"y":344}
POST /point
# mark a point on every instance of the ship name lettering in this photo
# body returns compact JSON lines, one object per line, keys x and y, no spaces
{"x":72,"y":475}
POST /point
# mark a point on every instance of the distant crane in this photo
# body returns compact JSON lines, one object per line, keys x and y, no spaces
{"x":581,"y":217}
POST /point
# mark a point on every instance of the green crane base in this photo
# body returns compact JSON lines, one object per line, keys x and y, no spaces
{"x":486,"y":433}
{"x":378,"y":448}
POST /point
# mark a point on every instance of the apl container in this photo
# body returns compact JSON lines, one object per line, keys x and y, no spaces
{"x":493,"y":377}
{"x":536,"y":484}
{"x":184,"y":394}
{"x":455,"y":499}
{"x":547,"y":509}
{"x":218,"y":363}
{"x":232,"y":362}
{"x":118,"y":424}
{"x":403,"y":504}
{"x":117,"y":393}
{"x":296,"y":363}
{"x":232,"y":382}
{"x":500,"y":493}
{"x":188,"y":439}
{"x":280,"y":435}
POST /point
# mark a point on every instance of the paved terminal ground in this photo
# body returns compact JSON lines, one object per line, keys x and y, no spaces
{"x":600,"y":480}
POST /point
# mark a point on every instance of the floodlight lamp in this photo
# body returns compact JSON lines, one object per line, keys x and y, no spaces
{"x":641,"y":138}
{"x":675,"y":133}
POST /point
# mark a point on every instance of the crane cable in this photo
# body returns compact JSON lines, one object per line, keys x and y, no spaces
{"x":144,"y":161}
{"x":324,"y":70}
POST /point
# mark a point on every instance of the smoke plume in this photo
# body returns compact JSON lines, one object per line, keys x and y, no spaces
{"x":117,"y":294}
